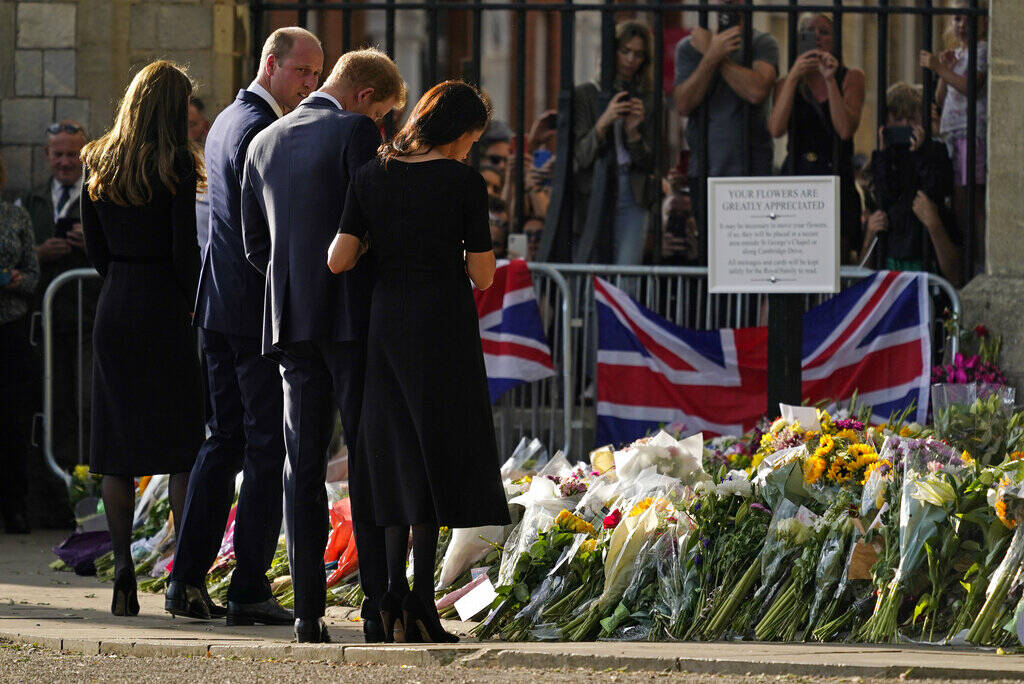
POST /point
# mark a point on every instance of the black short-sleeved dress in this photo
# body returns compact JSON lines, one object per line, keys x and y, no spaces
{"x":427,"y":435}
{"x":147,"y":400}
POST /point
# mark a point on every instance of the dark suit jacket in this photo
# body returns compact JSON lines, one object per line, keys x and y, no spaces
{"x":296,"y":175}
{"x":38,"y":202}
{"x":230,"y":294}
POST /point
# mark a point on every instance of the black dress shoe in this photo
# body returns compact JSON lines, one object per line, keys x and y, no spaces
{"x":185,"y":600}
{"x":268,"y":612}
{"x":16,"y":524}
{"x":216,"y":612}
{"x":311,"y":631}
{"x":126,"y":598}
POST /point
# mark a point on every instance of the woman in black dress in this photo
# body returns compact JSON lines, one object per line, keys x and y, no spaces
{"x":139,"y":221}
{"x":427,"y":435}
{"x":824,"y":100}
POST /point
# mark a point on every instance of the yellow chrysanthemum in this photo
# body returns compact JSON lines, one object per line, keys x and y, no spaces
{"x":81,"y":472}
{"x":847,"y":434}
{"x":841,"y":471}
{"x":813,"y":468}
{"x":589,"y":545}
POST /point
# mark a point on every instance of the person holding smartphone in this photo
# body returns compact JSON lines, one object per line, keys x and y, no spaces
{"x":711,"y":77}
{"x":912,"y":186}
{"x":821,"y":99}
{"x":623,"y":129}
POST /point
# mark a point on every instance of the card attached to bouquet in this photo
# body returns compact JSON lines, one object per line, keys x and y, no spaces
{"x":476,"y":601}
{"x":807,"y":416}
{"x":863,"y":557}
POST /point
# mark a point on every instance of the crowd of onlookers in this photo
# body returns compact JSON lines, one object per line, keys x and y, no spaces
{"x":905,"y":207}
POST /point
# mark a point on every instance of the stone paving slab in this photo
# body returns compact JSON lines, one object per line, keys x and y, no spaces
{"x":63,"y":612}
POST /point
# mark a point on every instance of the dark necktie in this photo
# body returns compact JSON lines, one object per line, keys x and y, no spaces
{"x":65,"y":195}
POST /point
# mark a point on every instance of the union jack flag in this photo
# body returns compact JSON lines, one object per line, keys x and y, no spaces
{"x":511,"y":334}
{"x":873,"y":339}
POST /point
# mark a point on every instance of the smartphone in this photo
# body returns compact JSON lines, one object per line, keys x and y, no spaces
{"x":806,"y":42}
{"x":517,"y":245}
{"x":62,"y":226}
{"x":727,"y":19}
{"x":897,"y":136}
{"x":540,"y":158}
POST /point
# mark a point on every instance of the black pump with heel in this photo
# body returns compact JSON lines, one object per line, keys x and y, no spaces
{"x":126,"y":598}
{"x":422,"y":622}
{"x":391,"y":617}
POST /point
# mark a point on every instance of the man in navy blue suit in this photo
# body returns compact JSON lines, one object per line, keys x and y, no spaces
{"x":314,"y":323}
{"x":245,"y":387}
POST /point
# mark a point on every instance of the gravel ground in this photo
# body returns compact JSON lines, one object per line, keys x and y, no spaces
{"x":21,"y":663}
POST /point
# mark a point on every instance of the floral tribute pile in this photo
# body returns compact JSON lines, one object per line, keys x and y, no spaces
{"x":839,"y":530}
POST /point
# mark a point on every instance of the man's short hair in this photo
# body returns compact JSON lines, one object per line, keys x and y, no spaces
{"x":369,"y":68}
{"x":197,"y":103}
{"x":280,"y":43}
{"x":903,"y":101}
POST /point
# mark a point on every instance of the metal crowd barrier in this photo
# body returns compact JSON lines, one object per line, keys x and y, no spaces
{"x":560,"y":410}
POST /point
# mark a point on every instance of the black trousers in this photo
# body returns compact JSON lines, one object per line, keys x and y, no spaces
{"x":246,"y":435}
{"x":317,"y":375}
{"x":16,"y":362}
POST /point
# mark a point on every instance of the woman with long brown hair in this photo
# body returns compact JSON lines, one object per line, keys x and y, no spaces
{"x":625,"y":132}
{"x":139,"y":221}
{"x":426,"y":437}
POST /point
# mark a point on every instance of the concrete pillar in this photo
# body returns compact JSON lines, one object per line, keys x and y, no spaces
{"x":994,"y":298}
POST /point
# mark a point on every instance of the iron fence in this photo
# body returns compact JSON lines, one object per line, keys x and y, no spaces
{"x":560,"y":410}
{"x":559,"y":241}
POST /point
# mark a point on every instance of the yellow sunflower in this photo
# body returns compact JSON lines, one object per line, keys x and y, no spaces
{"x":847,"y":434}
{"x":813,"y":468}
{"x":841,"y":471}
{"x":872,"y":467}
{"x":825,"y":446}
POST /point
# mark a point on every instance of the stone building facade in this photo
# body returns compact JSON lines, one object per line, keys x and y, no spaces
{"x":72,"y":59}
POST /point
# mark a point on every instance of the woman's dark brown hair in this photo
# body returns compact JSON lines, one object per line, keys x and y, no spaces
{"x":444,"y":114}
{"x":626,"y":31}
{"x":148,"y":141}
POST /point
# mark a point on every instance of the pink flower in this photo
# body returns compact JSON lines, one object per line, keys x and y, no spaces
{"x":612,"y":519}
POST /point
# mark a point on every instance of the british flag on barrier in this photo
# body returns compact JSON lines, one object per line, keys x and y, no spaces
{"x":515,"y":347}
{"x":873,"y":338}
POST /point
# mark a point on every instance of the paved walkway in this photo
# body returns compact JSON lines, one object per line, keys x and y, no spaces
{"x":65,"y":612}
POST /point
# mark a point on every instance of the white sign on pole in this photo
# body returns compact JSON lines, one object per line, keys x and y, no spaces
{"x":776,"y":234}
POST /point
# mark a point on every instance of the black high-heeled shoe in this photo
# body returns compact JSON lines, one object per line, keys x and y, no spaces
{"x":126,"y":595}
{"x":422,"y":623}
{"x":392,"y":619}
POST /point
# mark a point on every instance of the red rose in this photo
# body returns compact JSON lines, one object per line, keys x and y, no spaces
{"x":612,"y":519}
{"x":981,"y":331}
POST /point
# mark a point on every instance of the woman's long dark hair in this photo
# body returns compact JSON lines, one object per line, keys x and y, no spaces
{"x":444,"y":114}
{"x":625,"y":31}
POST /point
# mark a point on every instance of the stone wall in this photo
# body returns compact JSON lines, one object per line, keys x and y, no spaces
{"x":73,"y":59}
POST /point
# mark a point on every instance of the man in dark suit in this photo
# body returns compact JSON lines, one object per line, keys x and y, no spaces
{"x":54,"y":209}
{"x":245,"y":387}
{"x":296,"y":175}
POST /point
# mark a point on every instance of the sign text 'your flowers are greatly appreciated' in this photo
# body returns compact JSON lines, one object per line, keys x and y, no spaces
{"x":773,"y":234}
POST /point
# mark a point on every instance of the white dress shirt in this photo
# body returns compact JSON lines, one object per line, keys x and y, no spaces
{"x":255,"y":87}
{"x":57,"y":189}
{"x":327,"y":96}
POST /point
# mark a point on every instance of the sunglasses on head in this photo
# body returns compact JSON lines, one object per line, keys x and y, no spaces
{"x":54,"y":129}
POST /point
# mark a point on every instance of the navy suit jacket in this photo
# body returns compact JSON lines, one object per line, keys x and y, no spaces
{"x":297,"y":172}
{"x":230,"y":295}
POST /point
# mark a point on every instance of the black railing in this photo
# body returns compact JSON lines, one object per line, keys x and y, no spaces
{"x":558,"y":242}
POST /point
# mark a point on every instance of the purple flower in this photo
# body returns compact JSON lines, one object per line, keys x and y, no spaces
{"x":697,"y":559}
{"x":849,"y":424}
{"x":760,"y":507}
